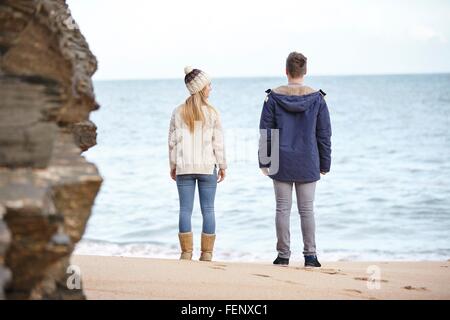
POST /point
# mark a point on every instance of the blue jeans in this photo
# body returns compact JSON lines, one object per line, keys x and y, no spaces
{"x":207,"y":184}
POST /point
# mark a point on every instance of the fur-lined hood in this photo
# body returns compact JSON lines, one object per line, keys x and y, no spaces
{"x":295,"y":98}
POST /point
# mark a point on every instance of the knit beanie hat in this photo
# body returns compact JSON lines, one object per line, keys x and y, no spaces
{"x":195,"y":79}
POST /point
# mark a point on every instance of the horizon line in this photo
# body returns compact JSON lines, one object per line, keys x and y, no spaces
{"x":283,"y":76}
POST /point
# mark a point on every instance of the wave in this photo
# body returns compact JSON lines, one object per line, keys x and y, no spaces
{"x":152,"y":250}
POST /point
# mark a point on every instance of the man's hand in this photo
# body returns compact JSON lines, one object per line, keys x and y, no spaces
{"x":265,"y":171}
{"x":323,"y":173}
{"x":173,"y":174}
{"x":221,"y":175}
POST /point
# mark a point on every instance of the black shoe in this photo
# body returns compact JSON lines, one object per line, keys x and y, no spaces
{"x":311,"y":261}
{"x":281,"y":261}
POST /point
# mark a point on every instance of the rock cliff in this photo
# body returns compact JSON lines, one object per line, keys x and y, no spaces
{"x":47,"y":188}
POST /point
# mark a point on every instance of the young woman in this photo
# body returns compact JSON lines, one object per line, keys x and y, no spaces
{"x":196,"y":149}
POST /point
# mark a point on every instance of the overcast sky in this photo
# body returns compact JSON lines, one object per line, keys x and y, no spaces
{"x":143,"y":39}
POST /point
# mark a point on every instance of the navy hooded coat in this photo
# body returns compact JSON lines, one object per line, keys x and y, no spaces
{"x":304,"y":128}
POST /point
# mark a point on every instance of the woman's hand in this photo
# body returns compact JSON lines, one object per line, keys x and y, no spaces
{"x":221,"y":175}
{"x":173,"y":174}
{"x":265,"y":171}
{"x":323,"y":173}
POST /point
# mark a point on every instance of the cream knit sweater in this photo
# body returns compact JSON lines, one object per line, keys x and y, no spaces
{"x":197,"y":152}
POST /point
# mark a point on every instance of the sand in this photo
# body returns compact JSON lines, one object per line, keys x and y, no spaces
{"x":144,"y":278}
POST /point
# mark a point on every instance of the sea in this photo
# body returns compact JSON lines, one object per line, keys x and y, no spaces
{"x":386,"y":198}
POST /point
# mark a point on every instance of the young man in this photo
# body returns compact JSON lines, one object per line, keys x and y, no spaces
{"x":295,"y":152}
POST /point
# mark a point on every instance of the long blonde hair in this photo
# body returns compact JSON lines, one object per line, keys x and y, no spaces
{"x":192,"y":109}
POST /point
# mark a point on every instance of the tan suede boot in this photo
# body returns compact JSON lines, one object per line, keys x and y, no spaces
{"x":186,"y":244}
{"x":207,"y":246}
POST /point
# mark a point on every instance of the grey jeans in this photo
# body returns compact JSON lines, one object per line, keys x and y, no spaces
{"x":305,"y":204}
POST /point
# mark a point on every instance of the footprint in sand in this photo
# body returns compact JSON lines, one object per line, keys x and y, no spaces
{"x":367,"y":279}
{"x":218,"y":267}
{"x":353,"y":290}
{"x":415,"y":288}
{"x":332,"y":271}
{"x":327,"y":271}
{"x":303,"y":268}
{"x":360,"y":292}
{"x":261,"y":275}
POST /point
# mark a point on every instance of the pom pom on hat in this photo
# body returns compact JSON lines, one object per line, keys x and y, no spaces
{"x":195,"y":79}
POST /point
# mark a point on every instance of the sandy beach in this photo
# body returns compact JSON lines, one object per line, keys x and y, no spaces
{"x":143,"y":278}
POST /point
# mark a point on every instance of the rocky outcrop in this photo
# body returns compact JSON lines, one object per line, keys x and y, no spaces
{"x":47,"y":188}
{"x":85,"y":134}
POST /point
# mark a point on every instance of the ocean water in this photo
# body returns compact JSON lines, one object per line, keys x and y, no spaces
{"x":387,"y":196}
